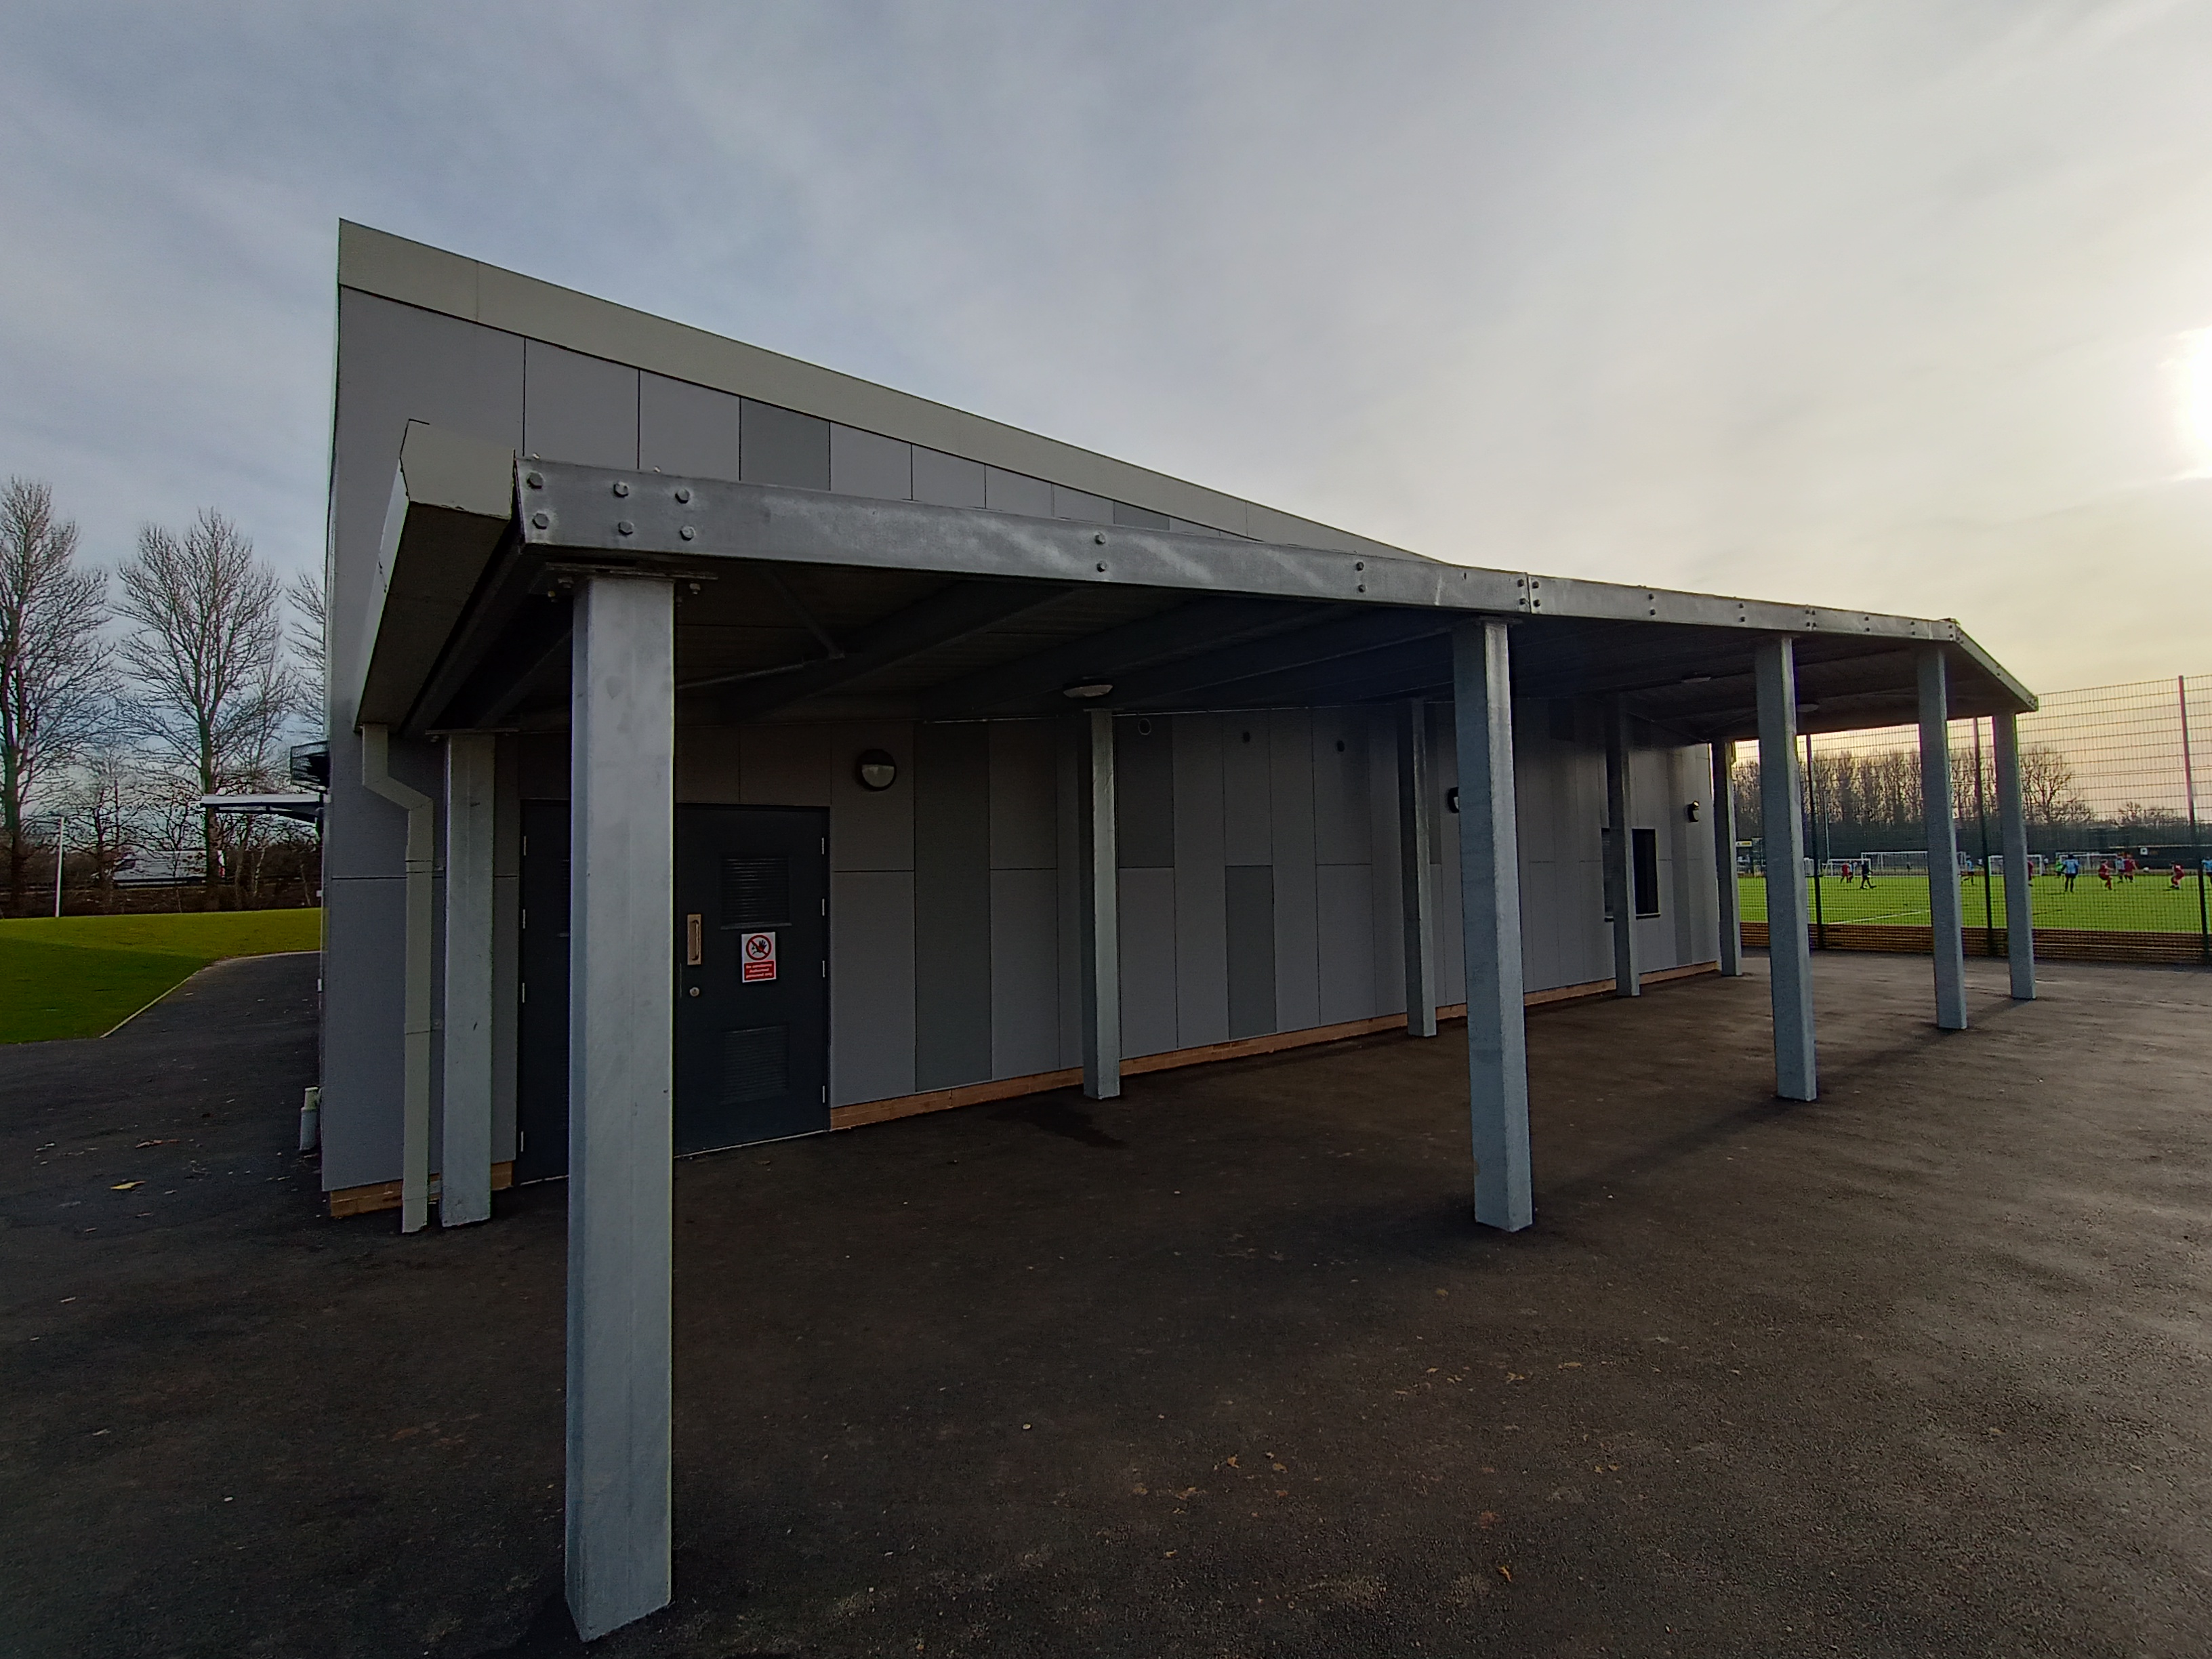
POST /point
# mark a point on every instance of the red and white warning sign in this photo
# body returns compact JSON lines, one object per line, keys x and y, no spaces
{"x":756,"y":956}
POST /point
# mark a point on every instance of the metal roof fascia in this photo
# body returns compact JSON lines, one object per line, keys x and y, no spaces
{"x":586,"y":508}
{"x":453,"y":503}
{"x":414,"y":273}
{"x":2027,"y":700}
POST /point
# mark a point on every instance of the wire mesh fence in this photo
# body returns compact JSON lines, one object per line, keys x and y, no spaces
{"x":2114,"y":788}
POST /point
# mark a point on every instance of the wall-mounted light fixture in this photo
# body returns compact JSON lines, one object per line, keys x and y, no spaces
{"x":875,"y":769}
{"x":1084,"y":690}
{"x":1451,"y":800}
{"x":1691,"y":812}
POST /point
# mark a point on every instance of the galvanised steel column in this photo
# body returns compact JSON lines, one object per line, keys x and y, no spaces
{"x":1790,"y":955}
{"x":1936,"y":809}
{"x":621,"y":1146}
{"x":464,"y":1164}
{"x":1490,"y":926}
{"x":1415,"y":886}
{"x":1620,"y":853}
{"x":2012,"y":834}
{"x":1101,"y":907}
{"x":1731,"y":910}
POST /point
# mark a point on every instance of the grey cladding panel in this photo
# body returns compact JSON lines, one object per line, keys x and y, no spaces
{"x":579,"y":409}
{"x":1025,"y":972}
{"x":952,"y":905}
{"x":1067,"y":807}
{"x":944,"y":480}
{"x":709,"y":765}
{"x":1250,"y":894}
{"x":872,"y":1002}
{"x":1247,"y":817}
{"x":1076,"y":504}
{"x":365,"y":834}
{"x":1148,"y":962}
{"x":690,"y":431}
{"x":862,"y":463}
{"x":779,"y":446}
{"x":870,"y":828}
{"x":1540,"y":934}
{"x":363,"y":1014}
{"x":1201,"y":936}
{"x":784,"y":766}
{"x":1013,"y":492}
{"x":1144,"y":792}
{"x":1344,"y":901}
{"x":1298,"y":987}
{"x":1340,"y":786}
{"x":1385,"y":883}
{"x":1024,"y":796}
{"x":1138,"y":517}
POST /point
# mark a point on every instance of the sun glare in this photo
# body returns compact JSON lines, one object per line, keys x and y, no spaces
{"x":2193,"y":386}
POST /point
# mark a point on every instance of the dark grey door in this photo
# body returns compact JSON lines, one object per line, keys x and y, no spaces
{"x":752,"y":988}
{"x":541,"y":1072}
{"x":751,"y":1030}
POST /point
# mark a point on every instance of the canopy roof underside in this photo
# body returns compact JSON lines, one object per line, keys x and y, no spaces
{"x":797,"y":605}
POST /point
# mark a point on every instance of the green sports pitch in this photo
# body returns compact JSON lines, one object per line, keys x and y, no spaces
{"x":2150,"y":903}
{"x":81,"y":976}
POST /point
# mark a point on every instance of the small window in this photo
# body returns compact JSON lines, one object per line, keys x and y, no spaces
{"x":1643,"y":847}
{"x":1643,"y":869}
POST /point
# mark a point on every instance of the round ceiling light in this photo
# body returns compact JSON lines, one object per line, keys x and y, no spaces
{"x":875,"y":769}
{"x":1084,"y":690}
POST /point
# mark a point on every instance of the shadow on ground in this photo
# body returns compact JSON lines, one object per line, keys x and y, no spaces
{"x":1222,"y":1367}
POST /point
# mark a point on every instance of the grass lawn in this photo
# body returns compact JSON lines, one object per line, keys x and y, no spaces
{"x":2147,"y":904}
{"x":79,"y":976}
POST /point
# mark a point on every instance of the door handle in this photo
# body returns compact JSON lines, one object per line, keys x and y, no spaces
{"x":694,"y":952}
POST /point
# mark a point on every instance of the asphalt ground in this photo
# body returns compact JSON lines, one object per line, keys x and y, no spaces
{"x":1221,"y":1368}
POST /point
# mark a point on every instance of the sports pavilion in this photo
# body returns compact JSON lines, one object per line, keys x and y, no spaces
{"x":724,"y":749}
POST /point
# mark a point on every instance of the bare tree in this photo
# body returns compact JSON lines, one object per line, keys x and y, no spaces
{"x":55,"y":675}
{"x":208,"y":650}
{"x":103,"y":797}
{"x":2046,"y":787}
{"x":310,"y":632}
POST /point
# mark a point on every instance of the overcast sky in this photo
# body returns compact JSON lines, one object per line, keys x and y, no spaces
{"x":1902,"y":305}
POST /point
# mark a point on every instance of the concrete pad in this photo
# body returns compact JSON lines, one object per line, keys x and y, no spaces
{"x":1221,"y":1366}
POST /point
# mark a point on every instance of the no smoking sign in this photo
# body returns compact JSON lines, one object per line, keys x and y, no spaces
{"x":755,"y":958}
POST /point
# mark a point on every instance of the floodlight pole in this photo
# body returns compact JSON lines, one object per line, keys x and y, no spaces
{"x":61,"y":851}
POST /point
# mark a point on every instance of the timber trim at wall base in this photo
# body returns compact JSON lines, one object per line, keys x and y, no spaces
{"x":976,"y":1094}
{"x":385,"y":1195}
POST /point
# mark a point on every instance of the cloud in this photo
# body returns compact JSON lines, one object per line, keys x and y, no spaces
{"x":1875,"y":305}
